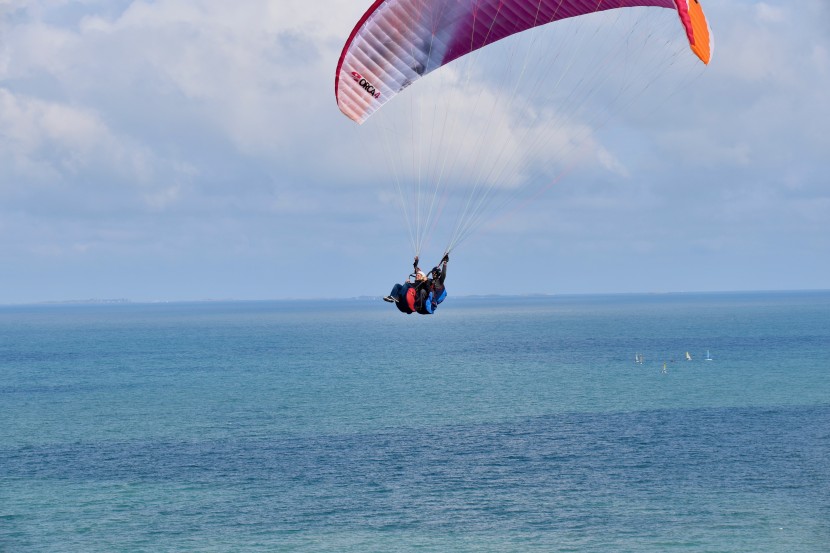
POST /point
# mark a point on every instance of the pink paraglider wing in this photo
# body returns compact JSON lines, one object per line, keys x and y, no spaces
{"x":397,"y":42}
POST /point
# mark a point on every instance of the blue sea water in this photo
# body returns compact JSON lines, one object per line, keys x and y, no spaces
{"x":497,"y":425}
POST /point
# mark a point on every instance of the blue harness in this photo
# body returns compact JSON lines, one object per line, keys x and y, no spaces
{"x":428,"y":304}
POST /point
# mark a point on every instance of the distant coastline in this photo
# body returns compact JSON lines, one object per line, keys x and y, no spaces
{"x":93,"y":301}
{"x":127,"y":301}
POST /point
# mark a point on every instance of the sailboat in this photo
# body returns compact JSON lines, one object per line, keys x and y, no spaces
{"x":688,"y":357}
{"x":708,"y":357}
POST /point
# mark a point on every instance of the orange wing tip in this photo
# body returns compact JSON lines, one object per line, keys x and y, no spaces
{"x":701,"y":36}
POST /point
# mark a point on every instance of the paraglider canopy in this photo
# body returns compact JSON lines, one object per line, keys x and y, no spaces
{"x":397,"y":42}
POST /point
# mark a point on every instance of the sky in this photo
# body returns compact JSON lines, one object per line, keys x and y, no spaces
{"x":178,"y":150}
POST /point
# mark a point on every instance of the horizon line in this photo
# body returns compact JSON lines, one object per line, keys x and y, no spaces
{"x":123,"y":301}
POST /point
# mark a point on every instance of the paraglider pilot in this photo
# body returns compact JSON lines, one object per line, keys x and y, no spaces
{"x":424,"y":293}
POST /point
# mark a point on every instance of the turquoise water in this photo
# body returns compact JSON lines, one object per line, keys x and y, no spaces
{"x":510,"y":424}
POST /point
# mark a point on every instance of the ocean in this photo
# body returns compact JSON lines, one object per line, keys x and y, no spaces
{"x":496,"y":425}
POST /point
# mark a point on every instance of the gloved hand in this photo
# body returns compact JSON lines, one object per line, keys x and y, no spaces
{"x":446,"y":258}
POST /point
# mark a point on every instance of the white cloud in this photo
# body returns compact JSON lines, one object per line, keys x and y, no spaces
{"x":74,"y":158}
{"x":246,"y":68}
{"x":44,"y":139}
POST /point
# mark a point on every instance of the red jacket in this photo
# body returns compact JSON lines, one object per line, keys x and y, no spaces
{"x":410,"y":298}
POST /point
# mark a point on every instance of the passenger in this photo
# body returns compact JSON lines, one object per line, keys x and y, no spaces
{"x":403,"y":295}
